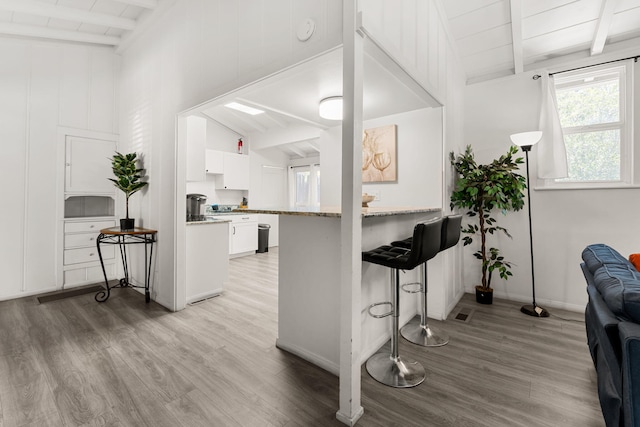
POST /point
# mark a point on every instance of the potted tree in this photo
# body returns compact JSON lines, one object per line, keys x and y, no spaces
{"x":128,"y":181}
{"x":484,"y":189}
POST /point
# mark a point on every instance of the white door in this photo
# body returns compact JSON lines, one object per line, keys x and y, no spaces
{"x":88,"y":165}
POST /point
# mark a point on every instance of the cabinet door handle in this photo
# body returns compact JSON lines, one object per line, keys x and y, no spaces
{"x":234,"y":229}
{"x":91,"y":254}
{"x":91,"y":226}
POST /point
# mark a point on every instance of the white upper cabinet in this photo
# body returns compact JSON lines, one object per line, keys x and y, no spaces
{"x":88,"y":165}
{"x":214,"y":162}
{"x":196,"y":142}
{"x":236,"y":172}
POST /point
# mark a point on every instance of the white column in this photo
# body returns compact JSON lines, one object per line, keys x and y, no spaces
{"x":351,"y":222}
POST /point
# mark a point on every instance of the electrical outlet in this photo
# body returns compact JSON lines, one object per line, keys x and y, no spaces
{"x":376,"y":195}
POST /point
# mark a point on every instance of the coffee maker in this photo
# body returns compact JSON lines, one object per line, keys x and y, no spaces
{"x":195,"y":202}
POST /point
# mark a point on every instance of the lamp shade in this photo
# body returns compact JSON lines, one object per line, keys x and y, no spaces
{"x":526,"y":139}
{"x":331,"y":108}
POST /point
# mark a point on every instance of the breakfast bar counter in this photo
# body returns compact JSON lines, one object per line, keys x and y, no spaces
{"x":309,"y":278}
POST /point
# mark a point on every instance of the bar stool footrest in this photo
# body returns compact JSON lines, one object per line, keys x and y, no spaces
{"x":380,"y":316}
{"x":410,"y":288}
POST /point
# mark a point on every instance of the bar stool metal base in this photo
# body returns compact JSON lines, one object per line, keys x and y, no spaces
{"x":398,"y":372}
{"x":426,"y":336}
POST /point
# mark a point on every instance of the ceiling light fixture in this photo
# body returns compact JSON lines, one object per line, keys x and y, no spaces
{"x":243,"y":108}
{"x":331,"y":108}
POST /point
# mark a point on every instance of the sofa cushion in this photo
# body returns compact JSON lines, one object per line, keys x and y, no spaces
{"x":597,"y":255}
{"x":619,"y":286}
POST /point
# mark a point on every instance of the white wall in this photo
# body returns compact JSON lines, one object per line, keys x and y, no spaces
{"x":199,"y":50}
{"x":419,"y":149}
{"x":564,"y":221}
{"x":45,"y":87}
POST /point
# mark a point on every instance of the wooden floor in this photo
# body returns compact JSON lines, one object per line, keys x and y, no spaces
{"x":75,"y":362}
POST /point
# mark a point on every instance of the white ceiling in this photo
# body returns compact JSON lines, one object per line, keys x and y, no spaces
{"x":501,"y":37}
{"x":291,"y":99}
{"x":493,"y":38}
{"x":102,"y":22}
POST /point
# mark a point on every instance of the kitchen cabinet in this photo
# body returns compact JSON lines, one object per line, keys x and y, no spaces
{"x":88,"y":165}
{"x":196,"y":132}
{"x":207,"y":259}
{"x":236,"y":172}
{"x":81,"y":264}
{"x":214,"y":162}
{"x":243,"y":234}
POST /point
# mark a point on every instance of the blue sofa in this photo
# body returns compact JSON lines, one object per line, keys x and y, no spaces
{"x":612,"y":321}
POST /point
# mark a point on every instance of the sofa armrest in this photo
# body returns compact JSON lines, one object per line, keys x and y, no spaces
{"x":630,"y":341}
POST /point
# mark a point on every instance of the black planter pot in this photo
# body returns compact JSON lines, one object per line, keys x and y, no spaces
{"x":484,"y":296}
{"x":127,"y":224}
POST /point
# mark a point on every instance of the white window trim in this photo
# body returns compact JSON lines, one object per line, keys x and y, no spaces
{"x":628,"y":168}
{"x":313,"y":168}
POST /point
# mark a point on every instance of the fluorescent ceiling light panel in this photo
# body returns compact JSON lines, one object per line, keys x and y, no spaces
{"x":243,"y":108}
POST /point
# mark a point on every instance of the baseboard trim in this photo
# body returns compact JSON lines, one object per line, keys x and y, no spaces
{"x":325,"y":364}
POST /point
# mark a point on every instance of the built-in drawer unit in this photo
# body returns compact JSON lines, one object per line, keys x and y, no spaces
{"x":87,"y":226}
{"x":81,"y":262}
{"x":77,"y":256}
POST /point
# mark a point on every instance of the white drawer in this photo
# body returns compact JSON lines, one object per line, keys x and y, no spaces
{"x":76,"y":256}
{"x":80,"y":240}
{"x":243,"y":218}
{"x":87,"y":226}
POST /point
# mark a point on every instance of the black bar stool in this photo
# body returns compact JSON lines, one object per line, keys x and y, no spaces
{"x":390,"y":369}
{"x":421,"y":333}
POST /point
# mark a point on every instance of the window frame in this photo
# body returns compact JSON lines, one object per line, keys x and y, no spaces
{"x":314,"y":194}
{"x":624,"y":125}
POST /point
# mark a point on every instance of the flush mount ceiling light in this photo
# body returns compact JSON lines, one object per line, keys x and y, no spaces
{"x":243,"y":108}
{"x":331,"y":108}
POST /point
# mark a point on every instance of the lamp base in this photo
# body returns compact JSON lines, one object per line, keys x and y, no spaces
{"x":534,"y":310}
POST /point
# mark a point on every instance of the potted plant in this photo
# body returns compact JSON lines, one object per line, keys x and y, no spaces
{"x":128,"y":181}
{"x":484,"y":189}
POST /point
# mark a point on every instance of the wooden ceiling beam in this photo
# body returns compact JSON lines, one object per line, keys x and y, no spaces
{"x":50,"y":33}
{"x":147,"y":4}
{"x":49,"y":10}
{"x":604,"y":24}
{"x":516,"y":35}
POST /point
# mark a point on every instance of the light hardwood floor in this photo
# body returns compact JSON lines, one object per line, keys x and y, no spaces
{"x":75,"y":362}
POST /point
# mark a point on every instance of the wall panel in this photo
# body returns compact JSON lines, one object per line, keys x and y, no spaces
{"x":44,"y":85}
{"x":14,"y":75}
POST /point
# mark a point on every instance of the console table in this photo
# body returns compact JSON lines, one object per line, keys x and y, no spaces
{"x":115,"y":236}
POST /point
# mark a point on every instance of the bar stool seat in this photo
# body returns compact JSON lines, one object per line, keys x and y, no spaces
{"x":390,"y":369}
{"x":421,"y":332}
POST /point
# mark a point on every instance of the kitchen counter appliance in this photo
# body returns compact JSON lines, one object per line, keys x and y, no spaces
{"x":195,"y":202}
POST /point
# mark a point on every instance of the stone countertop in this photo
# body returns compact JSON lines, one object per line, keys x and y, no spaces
{"x":336,"y":211}
{"x":208,"y":221}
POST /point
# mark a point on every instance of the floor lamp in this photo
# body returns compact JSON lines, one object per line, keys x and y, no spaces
{"x":525,"y":141}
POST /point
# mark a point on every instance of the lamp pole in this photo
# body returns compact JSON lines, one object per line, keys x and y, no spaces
{"x":531,"y":309}
{"x":525,"y":141}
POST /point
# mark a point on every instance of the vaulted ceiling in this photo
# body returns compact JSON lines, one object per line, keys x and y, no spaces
{"x":500,"y":37}
{"x":493,"y":38}
{"x":102,"y":22}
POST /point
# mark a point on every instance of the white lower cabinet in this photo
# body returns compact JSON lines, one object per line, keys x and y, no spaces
{"x":81,"y":262}
{"x":243,"y":234}
{"x":207,"y":260}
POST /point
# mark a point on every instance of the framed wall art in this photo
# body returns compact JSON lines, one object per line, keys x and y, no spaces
{"x":379,"y":154}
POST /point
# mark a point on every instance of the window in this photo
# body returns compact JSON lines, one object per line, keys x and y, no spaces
{"x":305,"y":185}
{"x":595,"y":109}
